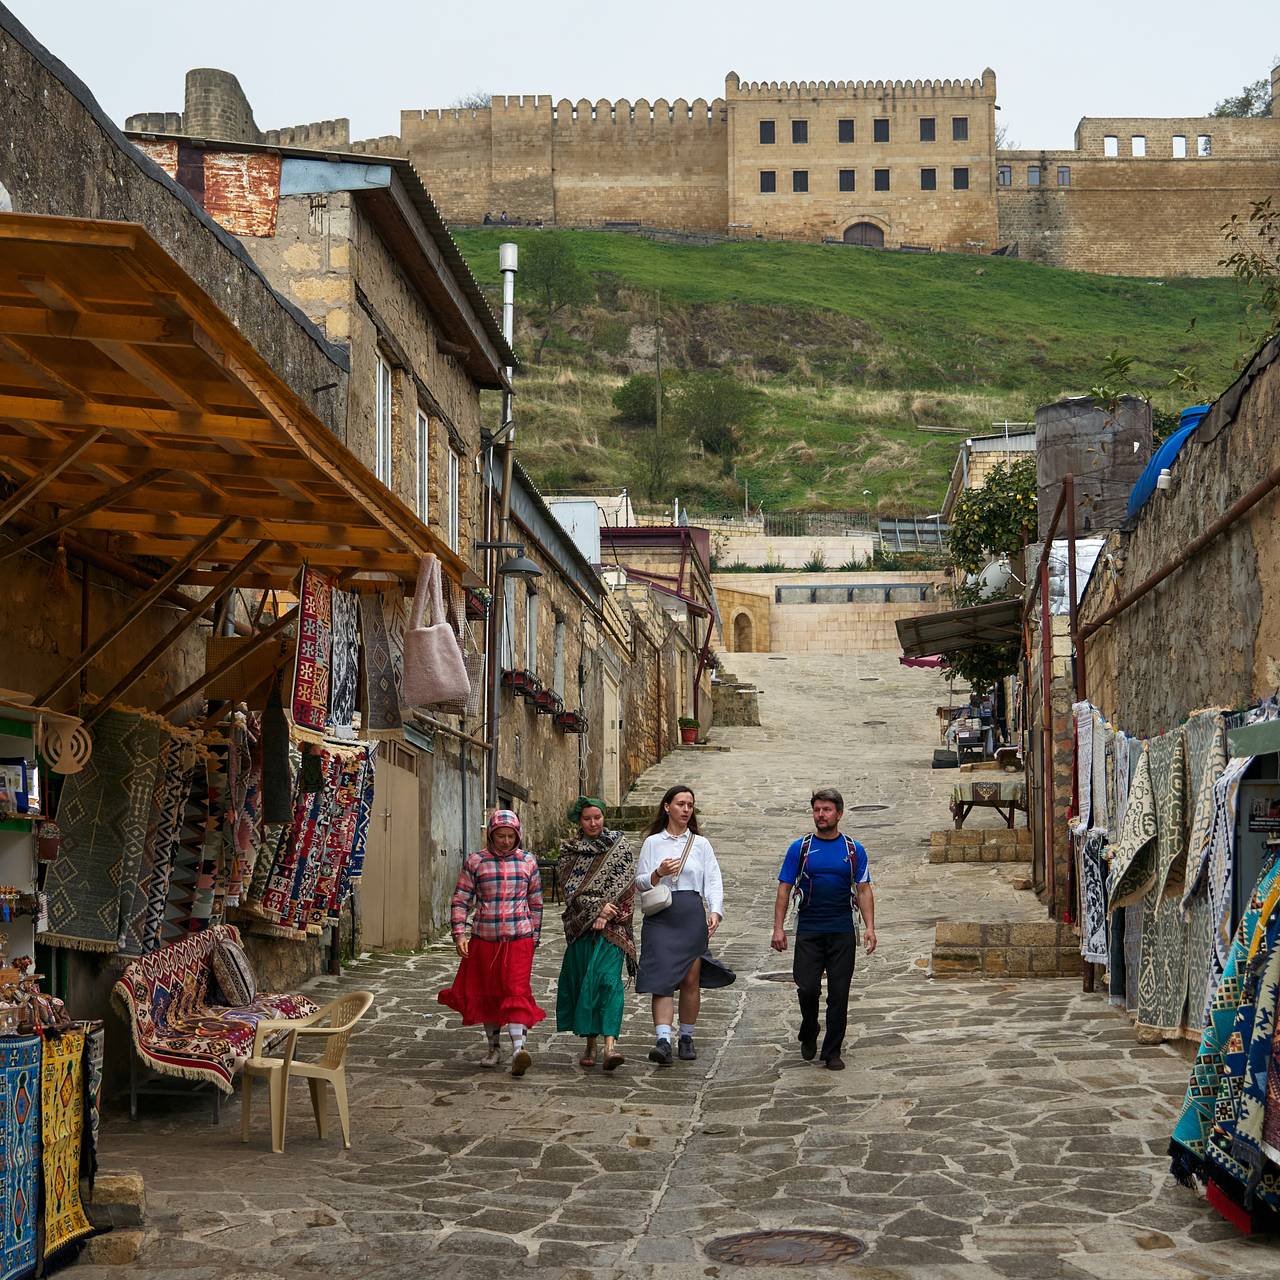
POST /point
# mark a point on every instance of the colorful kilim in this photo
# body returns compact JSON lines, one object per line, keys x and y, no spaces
{"x":186,"y":862}
{"x":280,"y":897}
{"x":103,"y":816}
{"x":133,"y":918}
{"x":94,"y":1046}
{"x":1271,"y":1120}
{"x":347,"y":777}
{"x":1133,"y":865}
{"x":309,"y":692}
{"x":1162,"y":973}
{"x":242,"y":825}
{"x":61,"y":1127}
{"x":19,"y":1153}
{"x":355,"y":864}
{"x":176,"y":1031}
{"x":1192,"y":1130}
{"x":212,"y":851}
{"x":379,"y":694}
{"x":344,"y":670}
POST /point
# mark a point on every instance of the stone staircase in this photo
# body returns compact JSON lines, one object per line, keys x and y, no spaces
{"x":733,"y":701}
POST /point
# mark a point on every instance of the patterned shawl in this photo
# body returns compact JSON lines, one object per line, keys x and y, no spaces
{"x":594,"y":872}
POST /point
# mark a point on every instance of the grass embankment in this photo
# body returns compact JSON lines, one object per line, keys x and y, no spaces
{"x":854,"y":351}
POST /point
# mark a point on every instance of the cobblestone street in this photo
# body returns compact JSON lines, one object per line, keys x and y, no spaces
{"x":994,"y":1128}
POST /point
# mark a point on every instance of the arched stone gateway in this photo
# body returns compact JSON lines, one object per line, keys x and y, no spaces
{"x":866,"y":234}
{"x":742,"y":638}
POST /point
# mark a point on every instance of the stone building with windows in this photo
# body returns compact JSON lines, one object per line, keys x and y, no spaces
{"x":903,"y":164}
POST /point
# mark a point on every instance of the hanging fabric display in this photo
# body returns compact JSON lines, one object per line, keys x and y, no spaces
{"x":309,"y":689}
{"x":379,"y":688}
{"x":20,"y":1168}
{"x":1093,"y":899}
{"x":344,"y":670}
{"x":1133,"y":863}
{"x":62,"y":1124}
{"x":277,"y":782}
{"x":1082,"y":713}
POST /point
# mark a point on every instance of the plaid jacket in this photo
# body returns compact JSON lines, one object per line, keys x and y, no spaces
{"x":507,"y":893}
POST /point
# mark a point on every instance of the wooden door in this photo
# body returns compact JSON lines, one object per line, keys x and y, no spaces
{"x":866,"y":234}
{"x":612,"y":741}
{"x":389,"y":886}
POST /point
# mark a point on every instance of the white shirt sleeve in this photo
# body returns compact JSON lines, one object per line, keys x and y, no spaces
{"x":712,"y":883}
{"x":650,"y":856}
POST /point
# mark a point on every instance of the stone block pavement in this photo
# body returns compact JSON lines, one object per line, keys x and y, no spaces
{"x":984,"y":1128}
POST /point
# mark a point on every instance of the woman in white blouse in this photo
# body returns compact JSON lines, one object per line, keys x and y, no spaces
{"x":673,"y":942}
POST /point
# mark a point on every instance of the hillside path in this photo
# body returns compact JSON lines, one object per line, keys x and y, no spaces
{"x":983,"y":1129}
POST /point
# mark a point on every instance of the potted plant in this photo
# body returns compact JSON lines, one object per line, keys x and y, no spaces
{"x":688,"y":729}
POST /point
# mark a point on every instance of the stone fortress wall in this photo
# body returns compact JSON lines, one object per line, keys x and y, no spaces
{"x":898,"y":164}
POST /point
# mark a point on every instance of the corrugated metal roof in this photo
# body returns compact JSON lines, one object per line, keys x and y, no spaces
{"x":997,"y":622}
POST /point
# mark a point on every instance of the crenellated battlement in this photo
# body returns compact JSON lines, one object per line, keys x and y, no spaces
{"x":329,"y":133}
{"x":536,"y":109}
{"x":737,"y":89}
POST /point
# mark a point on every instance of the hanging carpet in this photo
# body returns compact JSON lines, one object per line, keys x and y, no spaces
{"x":379,"y":690}
{"x":186,"y":863}
{"x":19,"y":1153}
{"x":1133,"y":855}
{"x":94,"y":1047}
{"x":344,"y":668}
{"x":1082,"y":713}
{"x":1100,"y":814}
{"x":1093,"y":899}
{"x":62,"y":1125}
{"x":1206,"y":759}
{"x":1162,"y":973}
{"x":103,"y":817}
{"x":308,"y":705}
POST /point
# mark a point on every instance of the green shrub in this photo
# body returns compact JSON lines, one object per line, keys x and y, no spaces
{"x":636,"y":401}
{"x":816,"y":563}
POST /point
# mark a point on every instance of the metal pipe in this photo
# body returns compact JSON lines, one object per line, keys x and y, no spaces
{"x":1073,"y":604}
{"x":1046,"y":678}
{"x":1233,"y":513}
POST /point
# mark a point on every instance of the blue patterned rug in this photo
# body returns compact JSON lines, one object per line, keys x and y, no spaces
{"x":19,"y":1153}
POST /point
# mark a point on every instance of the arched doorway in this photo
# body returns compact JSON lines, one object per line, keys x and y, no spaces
{"x":866,"y":234}
{"x":742,"y":633}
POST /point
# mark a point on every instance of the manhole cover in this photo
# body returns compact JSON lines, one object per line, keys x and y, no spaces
{"x":866,"y":808}
{"x":783,"y":975}
{"x":786,"y":1248}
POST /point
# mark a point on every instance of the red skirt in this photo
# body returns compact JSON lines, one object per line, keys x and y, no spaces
{"x":492,"y":984}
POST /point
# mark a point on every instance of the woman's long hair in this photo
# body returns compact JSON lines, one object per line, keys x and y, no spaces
{"x":661,"y":818}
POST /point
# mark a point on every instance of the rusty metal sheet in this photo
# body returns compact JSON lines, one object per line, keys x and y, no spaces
{"x":165,"y":154}
{"x":242,"y":191}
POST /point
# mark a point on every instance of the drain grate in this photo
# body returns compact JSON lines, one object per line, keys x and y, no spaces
{"x":867,"y":808}
{"x":783,"y":975}
{"x":786,"y":1248}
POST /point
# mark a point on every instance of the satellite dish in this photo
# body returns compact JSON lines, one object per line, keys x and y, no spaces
{"x":994,"y":579}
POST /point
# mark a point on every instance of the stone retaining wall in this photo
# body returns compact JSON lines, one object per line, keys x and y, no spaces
{"x":1040,"y":950}
{"x":1000,"y":845}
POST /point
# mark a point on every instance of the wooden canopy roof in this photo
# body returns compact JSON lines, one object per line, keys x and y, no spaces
{"x":133,"y":404}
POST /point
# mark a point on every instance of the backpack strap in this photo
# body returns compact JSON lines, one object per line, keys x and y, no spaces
{"x":797,"y":890}
{"x":851,"y":846}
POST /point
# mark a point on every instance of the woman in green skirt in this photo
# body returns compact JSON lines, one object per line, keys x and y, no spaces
{"x":597,"y":879}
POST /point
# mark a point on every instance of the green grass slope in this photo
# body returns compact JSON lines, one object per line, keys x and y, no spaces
{"x":854,"y":351}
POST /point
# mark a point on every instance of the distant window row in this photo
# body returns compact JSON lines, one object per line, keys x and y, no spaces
{"x":847,"y":180}
{"x":1035,"y":175}
{"x":1138,"y":145}
{"x":846,"y":131}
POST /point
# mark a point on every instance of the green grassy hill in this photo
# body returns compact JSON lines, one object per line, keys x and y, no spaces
{"x":854,"y":351}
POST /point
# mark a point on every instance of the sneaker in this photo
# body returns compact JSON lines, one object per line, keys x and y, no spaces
{"x":834,"y":1063}
{"x":661,"y":1053}
{"x":686,"y":1050}
{"x":492,"y":1058}
{"x":808,"y":1050}
{"x":521,"y":1062}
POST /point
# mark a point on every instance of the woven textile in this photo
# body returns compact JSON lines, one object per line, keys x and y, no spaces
{"x":1124,"y":747}
{"x":173,"y":789}
{"x":1162,"y":973}
{"x":186,"y":863}
{"x":19,"y":1153}
{"x":212,"y":851}
{"x":1206,"y":755}
{"x":1100,"y":817}
{"x":1133,"y":856}
{"x":61,"y":1131}
{"x":379,"y":694}
{"x":344,"y":671}
{"x":244,"y":816}
{"x":282,"y":896}
{"x":94,"y":1048}
{"x":309,"y":690}
{"x":133,"y":918}
{"x":1093,"y":899}
{"x":103,"y":818}
{"x":1083,"y":715}
{"x":1191,"y":1133}
{"x":177,"y":1030}
{"x":355,"y":863}
{"x":343,"y":788}
{"x":1271,"y":1118}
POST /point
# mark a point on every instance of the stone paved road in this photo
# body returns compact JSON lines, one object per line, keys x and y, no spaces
{"x":983,"y":1129}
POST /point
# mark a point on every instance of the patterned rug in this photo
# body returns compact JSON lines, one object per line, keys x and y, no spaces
{"x":19,"y":1153}
{"x":344,"y":669}
{"x":1093,"y":899}
{"x":379,"y":693}
{"x":94,"y":1046}
{"x":61,"y":1126}
{"x":347,"y":785}
{"x":103,"y":816}
{"x":1100,"y":818}
{"x":1162,"y":972}
{"x":212,"y":849}
{"x":1133,"y":856}
{"x":1083,"y":715}
{"x":309,"y":690}
{"x":355,"y":864}
{"x":186,"y":862}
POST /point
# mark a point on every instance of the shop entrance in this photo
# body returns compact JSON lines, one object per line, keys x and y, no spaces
{"x":390,"y":885}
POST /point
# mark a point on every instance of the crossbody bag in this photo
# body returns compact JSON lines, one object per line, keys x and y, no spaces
{"x":658,"y":897}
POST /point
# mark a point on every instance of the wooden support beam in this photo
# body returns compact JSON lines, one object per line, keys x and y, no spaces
{"x":37,"y":322}
{"x":133,"y":612}
{"x":141,"y":418}
{"x":321,"y":558}
{"x":25,"y":493}
{"x":152,"y":376}
{"x":231,"y":661}
{"x":298,"y":532}
{"x":39,"y":371}
{"x":105,"y":499}
{"x":184,"y":623}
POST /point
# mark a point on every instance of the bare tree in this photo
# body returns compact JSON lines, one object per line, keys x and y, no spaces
{"x":476,"y":100}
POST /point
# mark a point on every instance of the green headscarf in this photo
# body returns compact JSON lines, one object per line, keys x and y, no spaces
{"x":584,"y":802}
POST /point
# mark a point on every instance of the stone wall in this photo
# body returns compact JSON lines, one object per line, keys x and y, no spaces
{"x":1209,"y":635}
{"x":839,"y":628}
{"x":998,"y":844}
{"x":793,"y":553}
{"x":1042,"y":950}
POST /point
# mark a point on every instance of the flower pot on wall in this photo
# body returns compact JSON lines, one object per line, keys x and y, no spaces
{"x":689,"y":733}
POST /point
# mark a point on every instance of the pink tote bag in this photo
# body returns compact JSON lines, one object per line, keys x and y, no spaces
{"x":434,"y":669}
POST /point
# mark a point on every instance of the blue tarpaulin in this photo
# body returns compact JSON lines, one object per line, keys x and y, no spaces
{"x":1165,"y":456}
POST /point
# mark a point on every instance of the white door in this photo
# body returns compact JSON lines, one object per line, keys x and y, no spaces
{"x":612,"y":741}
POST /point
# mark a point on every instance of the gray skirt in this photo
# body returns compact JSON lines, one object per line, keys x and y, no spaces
{"x":669,"y":944}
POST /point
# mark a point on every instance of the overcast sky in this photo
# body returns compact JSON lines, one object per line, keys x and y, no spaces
{"x":367,"y":59}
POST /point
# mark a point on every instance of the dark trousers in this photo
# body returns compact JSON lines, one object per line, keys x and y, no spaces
{"x":814,"y":953}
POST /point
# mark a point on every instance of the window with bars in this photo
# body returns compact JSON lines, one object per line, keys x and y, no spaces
{"x":959,"y":128}
{"x":960,"y":179}
{"x":846,"y":130}
{"x":847,"y":180}
{"x":531,"y":632}
{"x":799,"y":131}
{"x":800,"y":180}
{"x":928,"y":129}
{"x":928,"y":179}
{"x":768,"y":133}
{"x":453,"y":498}
{"x":382,"y":422}
{"x":557,"y":671}
{"x":882,"y":180}
{"x":768,"y":181}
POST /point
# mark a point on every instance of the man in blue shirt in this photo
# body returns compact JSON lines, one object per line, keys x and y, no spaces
{"x":826,"y":871}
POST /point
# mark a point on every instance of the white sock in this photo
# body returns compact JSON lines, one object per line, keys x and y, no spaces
{"x":663,"y":1030}
{"x":516,"y":1031}
{"x":687,"y":1029}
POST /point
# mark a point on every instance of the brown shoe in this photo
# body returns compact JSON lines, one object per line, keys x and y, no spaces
{"x":833,"y":1063}
{"x":521,"y":1062}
